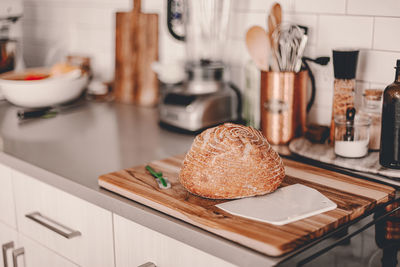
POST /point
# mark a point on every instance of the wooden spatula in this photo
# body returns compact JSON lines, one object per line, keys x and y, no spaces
{"x":258,"y":46}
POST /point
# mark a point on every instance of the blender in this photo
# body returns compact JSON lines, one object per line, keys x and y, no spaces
{"x":10,"y":12}
{"x":204,"y":99}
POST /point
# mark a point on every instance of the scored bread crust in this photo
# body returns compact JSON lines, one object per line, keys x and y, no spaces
{"x":231,"y":161}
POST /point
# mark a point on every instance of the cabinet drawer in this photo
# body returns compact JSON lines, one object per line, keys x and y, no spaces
{"x":35,"y":255}
{"x":7,"y":208}
{"x":72,"y":227}
{"x":136,"y":245}
{"x":7,"y":235}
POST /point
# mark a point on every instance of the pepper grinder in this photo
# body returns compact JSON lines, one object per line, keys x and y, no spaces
{"x":344,"y":66}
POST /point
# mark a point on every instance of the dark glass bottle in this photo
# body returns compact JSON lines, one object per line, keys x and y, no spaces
{"x":389,"y":155}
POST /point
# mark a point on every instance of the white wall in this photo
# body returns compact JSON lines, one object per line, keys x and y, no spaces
{"x":87,"y":27}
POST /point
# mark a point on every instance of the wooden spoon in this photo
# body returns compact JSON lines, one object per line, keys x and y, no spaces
{"x":258,"y":46}
{"x":274,"y":20}
{"x":277,"y":11}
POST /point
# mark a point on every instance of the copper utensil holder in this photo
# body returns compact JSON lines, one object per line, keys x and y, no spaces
{"x":283,"y":105}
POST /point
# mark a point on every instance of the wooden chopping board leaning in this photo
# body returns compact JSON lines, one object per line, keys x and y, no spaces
{"x":136,"y":48}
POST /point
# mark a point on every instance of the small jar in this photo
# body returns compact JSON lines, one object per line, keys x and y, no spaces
{"x":352,"y":137}
{"x":372,"y":107}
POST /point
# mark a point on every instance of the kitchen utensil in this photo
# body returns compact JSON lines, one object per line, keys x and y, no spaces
{"x":258,"y":47}
{"x":300,"y":51}
{"x":204,"y":98}
{"x":162,"y":182}
{"x":277,"y":13}
{"x":41,"y":93}
{"x":295,"y":202}
{"x":351,"y":135}
{"x":283,"y":105}
{"x":288,"y":43}
{"x":344,"y":66}
{"x":273,"y":21}
{"x":356,"y":197}
{"x":48,"y":112}
{"x":136,"y":48}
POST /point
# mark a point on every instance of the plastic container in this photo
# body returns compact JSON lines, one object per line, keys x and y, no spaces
{"x":352,"y":137}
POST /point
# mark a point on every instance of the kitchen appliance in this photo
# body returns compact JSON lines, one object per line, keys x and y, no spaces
{"x":354,"y":196}
{"x":10,"y":12}
{"x":204,"y":98}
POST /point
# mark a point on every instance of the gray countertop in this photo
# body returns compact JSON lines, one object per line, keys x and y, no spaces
{"x":71,"y":150}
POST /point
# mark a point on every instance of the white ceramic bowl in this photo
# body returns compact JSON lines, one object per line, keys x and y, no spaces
{"x":41,"y":93}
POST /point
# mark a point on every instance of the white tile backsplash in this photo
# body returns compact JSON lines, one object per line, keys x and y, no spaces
{"x":321,"y":115}
{"x":241,"y":21}
{"x":374,"y":7}
{"x":262,"y":6}
{"x":344,"y":31}
{"x":53,"y":28}
{"x":384,"y":38}
{"x":321,"y":6}
{"x":377,"y":66}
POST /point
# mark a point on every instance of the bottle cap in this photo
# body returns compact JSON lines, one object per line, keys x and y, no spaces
{"x":345,"y":63}
{"x":398,"y":63}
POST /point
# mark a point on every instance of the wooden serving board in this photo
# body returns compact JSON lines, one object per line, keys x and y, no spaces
{"x":136,"y":48}
{"x":353,"y":197}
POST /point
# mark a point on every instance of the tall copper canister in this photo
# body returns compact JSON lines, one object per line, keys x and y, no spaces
{"x":283,"y":105}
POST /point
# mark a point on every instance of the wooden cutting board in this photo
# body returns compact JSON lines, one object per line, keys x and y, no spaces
{"x":136,"y":48}
{"x":353,"y":197}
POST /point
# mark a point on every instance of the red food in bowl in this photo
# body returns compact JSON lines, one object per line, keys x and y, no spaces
{"x":34,"y":77}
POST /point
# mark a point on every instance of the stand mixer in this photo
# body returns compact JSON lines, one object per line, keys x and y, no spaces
{"x":204,"y":99}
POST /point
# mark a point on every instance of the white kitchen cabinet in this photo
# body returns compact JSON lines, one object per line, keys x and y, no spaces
{"x":136,"y":245}
{"x":7,"y":208}
{"x":35,"y":255}
{"x":72,"y":227}
{"x":7,"y":235}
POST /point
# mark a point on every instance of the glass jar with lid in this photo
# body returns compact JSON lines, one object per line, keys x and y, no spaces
{"x":372,"y":107}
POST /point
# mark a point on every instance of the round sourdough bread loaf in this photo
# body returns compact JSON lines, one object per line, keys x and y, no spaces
{"x":231,"y":161}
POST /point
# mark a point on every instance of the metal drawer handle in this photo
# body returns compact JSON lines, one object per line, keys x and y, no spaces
{"x":6,"y":247}
{"x":16,"y":253}
{"x":147,"y":264}
{"x":53,"y":225}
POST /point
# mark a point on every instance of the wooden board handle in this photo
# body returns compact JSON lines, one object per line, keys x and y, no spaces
{"x":137,"y":6}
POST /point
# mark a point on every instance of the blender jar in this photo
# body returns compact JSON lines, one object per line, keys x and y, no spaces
{"x":206,"y":25}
